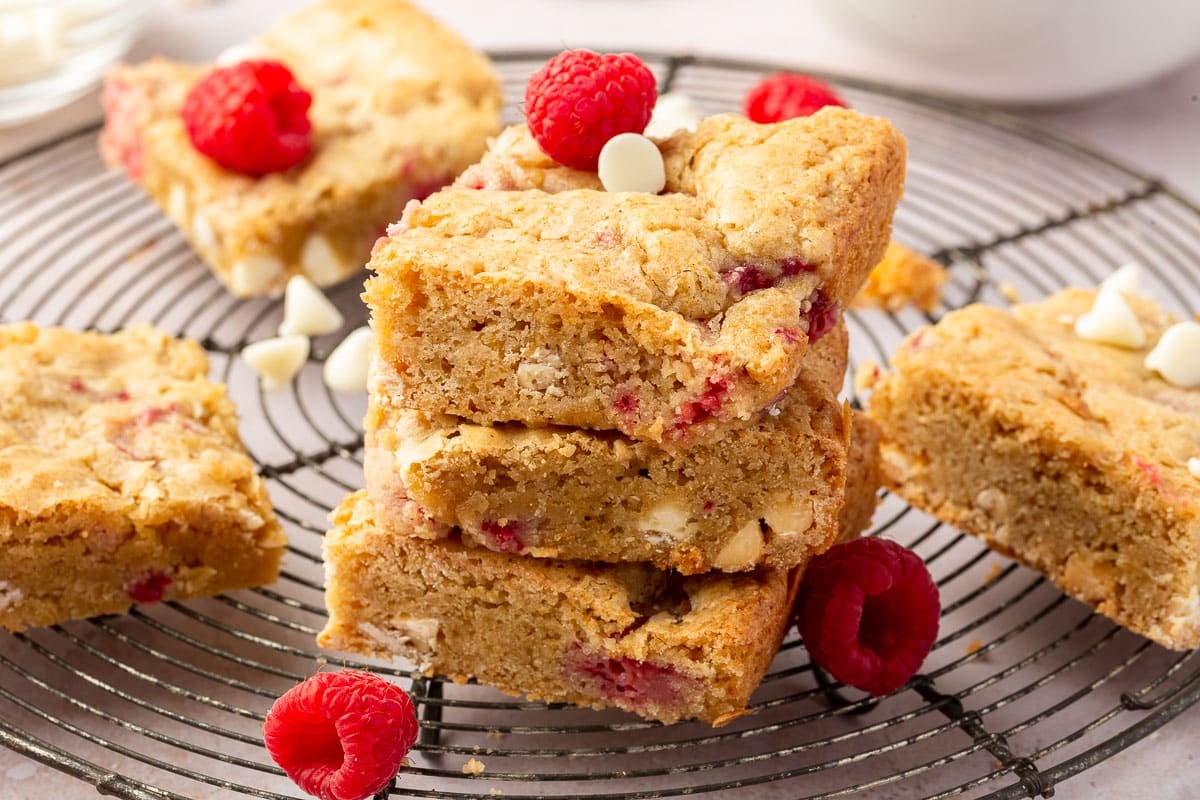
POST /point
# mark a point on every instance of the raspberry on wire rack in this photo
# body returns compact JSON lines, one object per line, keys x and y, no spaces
{"x":341,"y":735}
{"x":868,"y":612}
{"x":787,"y":95}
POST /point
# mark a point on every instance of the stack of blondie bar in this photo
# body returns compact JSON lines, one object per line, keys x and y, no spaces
{"x":604,"y":433}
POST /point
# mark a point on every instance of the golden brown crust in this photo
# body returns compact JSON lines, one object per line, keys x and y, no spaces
{"x":118,"y":460}
{"x":400,"y":106}
{"x":633,"y":300}
{"x":1066,"y":454}
{"x":553,"y":630}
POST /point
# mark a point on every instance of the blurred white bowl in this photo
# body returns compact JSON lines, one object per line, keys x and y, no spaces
{"x":1024,"y":51}
{"x":52,"y":51}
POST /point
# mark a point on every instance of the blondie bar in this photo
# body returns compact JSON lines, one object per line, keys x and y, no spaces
{"x":400,"y":106}
{"x":767,"y":493}
{"x":1068,"y":455}
{"x":659,"y":316}
{"x":654,"y":642}
{"x":122,"y":478}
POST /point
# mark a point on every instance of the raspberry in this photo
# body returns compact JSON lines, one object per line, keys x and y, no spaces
{"x":251,"y":117}
{"x":628,"y":683}
{"x":580,"y":99}
{"x":868,"y":611}
{"x":505,"y":537}
{"x":822,"y":315}
{"x":341,"y":735}
{"x":746,"y":278}
{"x":786,"y":95}
{"x":149,"y":588}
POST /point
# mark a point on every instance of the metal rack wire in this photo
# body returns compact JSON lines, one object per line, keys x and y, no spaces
{"x":1024,"y":688}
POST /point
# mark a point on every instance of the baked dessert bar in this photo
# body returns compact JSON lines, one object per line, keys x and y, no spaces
{"x":400,"y":106}
{"x":1068,"y":455}
{"x":599,"y":635}
{"x":767,"y":493}
{"x":659,"y":316}
{"x":901,"y":278}
{"x":659,"y":644}
{"x":122,"y":479}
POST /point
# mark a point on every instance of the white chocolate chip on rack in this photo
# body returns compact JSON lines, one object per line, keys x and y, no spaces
{"x":347,"y":366}
{"x":1111,"y":321}
{"x":277,"y":360}
{"x":674,"y":111}
{"x":1177,"y":355}
{"x":1127,"y":279}
{"x":629,"y":162}
{"x":306,"y":310}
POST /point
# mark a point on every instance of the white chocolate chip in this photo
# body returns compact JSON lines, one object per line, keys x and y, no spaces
{"x":320,"y":261}
{"x":743,"y":550}
{"x":415,"y":639}
{"x":1127,"y":279}
{"x":668,"y":518}
{"x":9,"y":595}
{"x":255,"y":275}
{"x":482,"y":437}
{"x":277,"y":360}
{"x":1194,"y":467}
{"x":202,"y":234}
{"x":306,"y":310}
{"x":1111,"y":321}
{"x":788,"y":514}
{"x":1177,"y":355}
{"x":177,"y":204}
{"x":993,"y":502}
{"x":417,"y":444}
{"x":541,"y":372}
{"x":629,"y":162}
{"x":674,"y":111}
{"x":347,"y":366}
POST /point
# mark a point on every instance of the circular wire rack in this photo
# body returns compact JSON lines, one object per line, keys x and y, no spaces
{"x":1023,"y":689}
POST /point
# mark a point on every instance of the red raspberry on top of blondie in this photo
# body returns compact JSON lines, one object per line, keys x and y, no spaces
{"x":660,"y":316}
{"x":400,"y":106}
{"x":1069,"y":455}
{"x":122,"y":478}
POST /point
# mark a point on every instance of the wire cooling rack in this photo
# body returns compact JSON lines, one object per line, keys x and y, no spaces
{"x":1023,"y":689}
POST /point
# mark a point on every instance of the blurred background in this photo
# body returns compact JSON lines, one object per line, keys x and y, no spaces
{"x":1123,"y":75}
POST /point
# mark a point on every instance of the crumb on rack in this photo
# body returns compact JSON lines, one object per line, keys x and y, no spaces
{"x":974,"y":646}
{"x":473,"y":767}
{"x":866,"y":376}
{"x":994,"y":572}
{"x":1009,"y":292}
